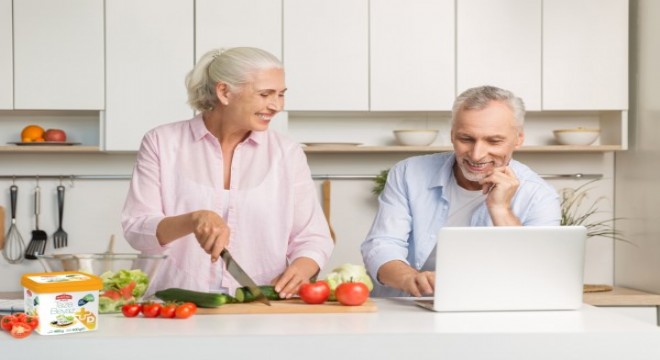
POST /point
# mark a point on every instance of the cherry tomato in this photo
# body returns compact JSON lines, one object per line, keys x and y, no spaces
{"x":185,"y":310}
{"x":131,"y":310}
{"x":33,"y":321}
{"x":19,"y":316}
{"x":7,"y":322}
{"x":151,"y":310}
{"x":314,"y":293}
{"x":352,"y":293}
{"x":168,"y":310}
{"x":20,"y":330}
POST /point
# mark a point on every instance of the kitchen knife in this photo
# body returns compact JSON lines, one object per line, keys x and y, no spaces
{"x":242,"y":277}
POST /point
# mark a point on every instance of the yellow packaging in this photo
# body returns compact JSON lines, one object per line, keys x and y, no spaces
{"x":65,"y":302}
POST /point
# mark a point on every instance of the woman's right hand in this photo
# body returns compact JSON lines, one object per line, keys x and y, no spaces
{"x":211,"y":232}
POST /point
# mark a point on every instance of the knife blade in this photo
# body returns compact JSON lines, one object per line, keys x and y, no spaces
{"x":242,"y":277}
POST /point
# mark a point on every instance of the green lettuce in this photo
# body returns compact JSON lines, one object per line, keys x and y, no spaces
{"x":348,"y":273}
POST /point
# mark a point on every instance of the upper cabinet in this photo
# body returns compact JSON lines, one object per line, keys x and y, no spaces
{"x":499,"y":43}
{"x":411,"y":55}
{"x":326,"y":54}
{"x":149,"y":52}
{"x":6,"y":57}
{"x":585,"y":54}
{"x":58,"y":54}
{"x":222,"y":24}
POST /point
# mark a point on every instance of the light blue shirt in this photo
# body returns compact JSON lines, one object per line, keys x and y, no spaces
{"x":414,"y":206}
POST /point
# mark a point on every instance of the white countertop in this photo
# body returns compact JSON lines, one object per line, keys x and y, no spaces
{"x":399,"y":330}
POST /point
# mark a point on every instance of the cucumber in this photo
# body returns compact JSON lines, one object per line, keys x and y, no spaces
{"x":201,"y":299}
{"x":243,"y":294}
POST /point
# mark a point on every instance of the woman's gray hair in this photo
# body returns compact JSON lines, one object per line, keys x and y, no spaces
{"x":478,"y":98}
{"x":234,"y":66}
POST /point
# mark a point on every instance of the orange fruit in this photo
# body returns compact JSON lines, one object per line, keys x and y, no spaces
{"x":32,"y":132}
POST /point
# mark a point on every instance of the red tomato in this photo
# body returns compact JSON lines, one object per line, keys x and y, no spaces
{"x":185,"y":310}
{"x":168,"y":310}
{"x":21,"y":330}
{"x":151,"y":309}
{"x":131,"y":310}
{"x":7,"y":322}
{"x":19,"y":316}
{"x":314,"y":293}
{"x":33,"y":321}
{"x":352,"y":293}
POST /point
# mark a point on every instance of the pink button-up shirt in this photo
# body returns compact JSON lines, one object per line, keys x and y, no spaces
{"x":273,"y":210}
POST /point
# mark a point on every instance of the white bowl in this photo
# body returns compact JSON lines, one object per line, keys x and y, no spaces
{"x":415,"y":137}
{"x":577,"y":136}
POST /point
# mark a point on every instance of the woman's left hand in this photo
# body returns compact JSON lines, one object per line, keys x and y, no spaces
{"x":299,"y":272}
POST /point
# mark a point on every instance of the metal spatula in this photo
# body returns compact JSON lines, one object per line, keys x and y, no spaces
{"x":37,"y":244}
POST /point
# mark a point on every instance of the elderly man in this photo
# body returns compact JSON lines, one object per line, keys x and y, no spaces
{"x":478,"y":184}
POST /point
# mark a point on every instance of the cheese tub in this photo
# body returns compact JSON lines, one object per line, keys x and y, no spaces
{"x":66,"y":302}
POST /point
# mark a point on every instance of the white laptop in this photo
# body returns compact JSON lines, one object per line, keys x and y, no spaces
{"x":508,"y":268}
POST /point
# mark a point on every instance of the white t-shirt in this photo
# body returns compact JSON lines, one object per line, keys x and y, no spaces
{"x":462,"y":204}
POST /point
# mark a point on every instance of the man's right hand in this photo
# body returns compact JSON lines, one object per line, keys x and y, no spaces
{"x":399,"y":275}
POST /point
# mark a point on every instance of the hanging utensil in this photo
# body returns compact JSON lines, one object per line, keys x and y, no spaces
{"x":14,"y":245}
{"x":326,"y":206}
{"x":37,"y":244}
{"x":60,"y":237}
{"x":2,"y":227}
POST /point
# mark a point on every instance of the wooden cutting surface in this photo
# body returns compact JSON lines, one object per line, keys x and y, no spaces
{"x":292,"y":306}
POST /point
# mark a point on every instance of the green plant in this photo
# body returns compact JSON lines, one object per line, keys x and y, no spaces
{"x":575,"y":211}
{"x":380,"y":181}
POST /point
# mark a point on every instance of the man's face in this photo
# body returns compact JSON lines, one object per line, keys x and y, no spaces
{"x":483,"y":140}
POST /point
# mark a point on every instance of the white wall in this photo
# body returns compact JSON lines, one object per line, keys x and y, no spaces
{"x":638,"y":174}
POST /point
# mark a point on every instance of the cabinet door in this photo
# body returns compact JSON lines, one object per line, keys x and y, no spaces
{"x":412,"y":54}
{"x":326,"y":53}
{"x":6,"y":57}
{"x":499,"y":44}
{"x":149,"y":52}
{"x":585,"y":54}
{"x":58,"y":54}
{"x":222,"y":23}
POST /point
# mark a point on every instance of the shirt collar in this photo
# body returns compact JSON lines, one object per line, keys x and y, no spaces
{"x":199,"y":131}
{"x":442,"y":181}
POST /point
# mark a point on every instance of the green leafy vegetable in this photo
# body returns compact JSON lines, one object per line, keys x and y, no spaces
{"x":122,"y":287}
{"x":348,"y":273}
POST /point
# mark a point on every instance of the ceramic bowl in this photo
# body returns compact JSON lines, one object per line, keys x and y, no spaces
{"x":415,"y":137}
{"x":577,"y":136}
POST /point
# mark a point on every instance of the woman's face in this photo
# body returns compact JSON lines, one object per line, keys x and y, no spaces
{"x":256,"y":103}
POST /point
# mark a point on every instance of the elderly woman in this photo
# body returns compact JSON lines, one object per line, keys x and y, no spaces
{"x":222,"y":180}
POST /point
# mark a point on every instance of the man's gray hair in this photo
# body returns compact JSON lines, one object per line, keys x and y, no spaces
{"x":478,"y":98}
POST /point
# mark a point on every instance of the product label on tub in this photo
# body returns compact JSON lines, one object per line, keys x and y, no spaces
{"x":64,"y":302}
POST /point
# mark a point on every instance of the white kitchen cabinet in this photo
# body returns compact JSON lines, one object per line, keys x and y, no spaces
{"x":149,"y":49}
{"x":499,"y":43}
{"x":222,"y":24}
{"x":58,"y":54}
{"x":326,"y":54}
{"x":585,"y":54}
{"x":6,"y":57}
{"x":412,"y":55}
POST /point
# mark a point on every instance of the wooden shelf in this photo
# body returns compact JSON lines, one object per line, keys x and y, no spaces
{"x":432,"y":149}
{"x":50,"y":149}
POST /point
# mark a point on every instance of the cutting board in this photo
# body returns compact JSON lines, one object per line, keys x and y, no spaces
{"x":291,"y":306}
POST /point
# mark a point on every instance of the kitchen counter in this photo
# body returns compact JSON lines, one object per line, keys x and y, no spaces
{"x":399,"y":330}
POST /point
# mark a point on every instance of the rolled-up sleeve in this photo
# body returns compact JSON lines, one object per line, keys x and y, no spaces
{"x":310,"y":234}
{"x":143,"y":209}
